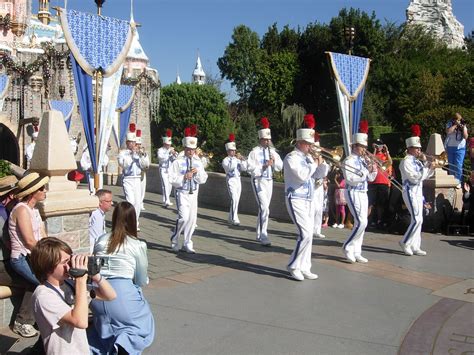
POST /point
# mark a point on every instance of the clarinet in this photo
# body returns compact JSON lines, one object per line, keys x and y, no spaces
{"x":190,"y":181}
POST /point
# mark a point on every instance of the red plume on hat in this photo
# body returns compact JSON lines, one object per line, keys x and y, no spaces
{"x":35,"y":128}
{"x":415,"y":130}
{"x":194,"y":130}
{"x":169,"y":133}
{"x":364,"y":126}
{"x":139,"y":133}
{"x":231,"y":137}
{"x":187,"y":132}
{"x":265,"y":122}
{"x":309,"y":120}
{"x":132,"y":127}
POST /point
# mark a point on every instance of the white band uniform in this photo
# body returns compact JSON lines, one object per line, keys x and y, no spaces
{"x":232,"y":167}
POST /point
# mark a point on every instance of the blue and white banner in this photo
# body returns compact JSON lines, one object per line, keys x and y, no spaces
{"x":123,"y":110}
{"x":4,"y":83}
{"x":65,"y":107}
{"x":350,"y":75}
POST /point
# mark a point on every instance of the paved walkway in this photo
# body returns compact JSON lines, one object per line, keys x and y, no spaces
{"x":235,"y":297}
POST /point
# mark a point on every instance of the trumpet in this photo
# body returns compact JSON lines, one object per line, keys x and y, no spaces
{"x":200,"y":153}
{"x":240,"y":156}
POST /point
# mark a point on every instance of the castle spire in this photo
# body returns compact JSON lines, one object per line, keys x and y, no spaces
{"x":199,"y":76}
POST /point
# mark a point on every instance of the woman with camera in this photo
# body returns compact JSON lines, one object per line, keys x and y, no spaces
{"x":455,"y":143}
{"x":126,"y":324}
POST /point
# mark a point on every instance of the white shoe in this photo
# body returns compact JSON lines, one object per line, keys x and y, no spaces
{"x":349,"y":256}
{"x":406,"y":248}
{"x":361,"y":259}
{"x":419,"y":252}
{"x":341,"y":226}
{"x":143,"y":208}
{"x":169,"y":204}
{"x":265,"y":242}
{"x":309,"y":275}
{"x":335,"y":225}
{"x":188,"y":250}
{"x":319,"y":235}
{"x":296,"y":274}
{"x":25,"y":330}
{"x":175,"y":247}
{"x":236,"y":223}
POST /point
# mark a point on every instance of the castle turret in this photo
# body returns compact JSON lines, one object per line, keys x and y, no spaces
{"x":199,"y":76}
{"x":43,"y":12}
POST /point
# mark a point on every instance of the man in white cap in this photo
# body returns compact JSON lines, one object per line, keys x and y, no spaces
{"x":318,"y":177}
{"x":186,"y":174}
{"x":30,"y":148}
{"x":141,"y":151}
{"x":413,"y":173}
{"x":299,"y":167}
{"x":262,"y":161}
{"x":357,"y":172}
{"x":166,"y":155}
{"x":132,"y":164}
{"x":233,"y":165}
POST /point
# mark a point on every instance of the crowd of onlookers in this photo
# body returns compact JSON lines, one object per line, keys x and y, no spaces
{"x":79,"y":303}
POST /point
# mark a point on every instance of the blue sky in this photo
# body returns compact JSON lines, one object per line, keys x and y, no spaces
{"x":173,"y":30}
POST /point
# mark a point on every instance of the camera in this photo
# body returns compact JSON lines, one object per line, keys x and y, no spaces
{"x":94,"y":265}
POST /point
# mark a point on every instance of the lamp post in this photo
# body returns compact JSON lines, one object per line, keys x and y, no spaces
{"x":349,"y":35}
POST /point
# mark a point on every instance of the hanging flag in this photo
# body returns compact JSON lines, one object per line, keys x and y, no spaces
{"x":123,"y":111}
{"x":350,"y":75}
{"x":65,"y":107}
{"x":98,"y":44}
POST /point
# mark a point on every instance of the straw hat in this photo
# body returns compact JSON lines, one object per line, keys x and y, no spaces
{"x":30,"y":183}
{"x":7,"y":184}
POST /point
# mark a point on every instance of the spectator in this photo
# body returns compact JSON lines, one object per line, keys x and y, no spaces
{"x":340,"y":199}
{"x":468,"y":199}
{"x":379,"y":189}
{"x":23,"y":323}
{"x":97,"y":218}
{"x":471,"y":152}
{"x":59,"y":303}
{"x":325,"y":203}
{"x":456,"y":131}
{"x":25,"y":225}
{"x":126,"y":323}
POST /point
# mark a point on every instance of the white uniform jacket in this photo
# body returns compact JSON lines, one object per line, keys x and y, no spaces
{"x":133,"y":163}
{"x":357,"y":174}
{"x":413,"y":171}
{"x":233,"y":166}
{"x":180,"y":167}
{"x":298,"y":170}
{"x":257,"y":158}
{"x":165,"y":158}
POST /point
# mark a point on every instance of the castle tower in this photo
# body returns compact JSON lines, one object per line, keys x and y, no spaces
{"x":178,"y":79}
{"x":199,"y":76}
{"x":43,"y":12}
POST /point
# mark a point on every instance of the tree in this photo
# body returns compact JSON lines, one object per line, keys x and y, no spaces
{"x":186,"y":104}
{"x":240,"y":61}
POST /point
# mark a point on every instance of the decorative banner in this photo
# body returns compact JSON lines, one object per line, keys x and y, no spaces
{"x":350,"y":74}
{"x":4,"y":83}
{"x":97,"y":42}
{"x":65,"y":107}
{"x":110,"y":91}
{"x":122,"y":118}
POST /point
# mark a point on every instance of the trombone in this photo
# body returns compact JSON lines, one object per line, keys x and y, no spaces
{"x":334,"y":157}
{"x":383,"y":166}
{"x":441,"y":161}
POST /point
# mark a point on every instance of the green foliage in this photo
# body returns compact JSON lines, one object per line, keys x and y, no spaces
{"x":246,"y":133}
{"x":5,"y":168}
{"x":292,"y":117}
{"x":375,"y":132}
{"x":203,"y":105}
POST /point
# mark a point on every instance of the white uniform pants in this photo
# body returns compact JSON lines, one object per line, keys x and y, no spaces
{"x":143,"y":188}
{"x":133,"y":192}
{"x":358,"y":205}
{"x":234,"y":187}
{"x":90,"y":181}
{"x":299,"y":210}
{"x":186,"y":205}
{"x":165,"y":186}
{"x":262,"y":189}
{"x":413,"y":198}
{"x":318,"y":200}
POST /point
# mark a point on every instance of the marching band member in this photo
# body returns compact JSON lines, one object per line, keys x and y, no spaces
{"x":86,"y":165}
{"x":132,"y":164}
{"x":262,"y":161}
{"x":318,"y":196}
{"x":357,"y":171}
{"x":233,"y":164}
{"x":141,"y":151}
{"x":186,"y":174}
{"x":413,"y":173}
{"x":166,"y":155}
{"x":299,"y":168}
{"x":30,"y":148}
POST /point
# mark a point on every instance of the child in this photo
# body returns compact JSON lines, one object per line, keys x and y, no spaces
{"x":60,"y":305}
{"x":340,"y":200}
{"x":325,"y":204}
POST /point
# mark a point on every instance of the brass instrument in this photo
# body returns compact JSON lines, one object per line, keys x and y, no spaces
{"x":240,"y":156}
{"x":382,"y":164}
{"x":333,"y":154}
{"x":200,"y":153}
